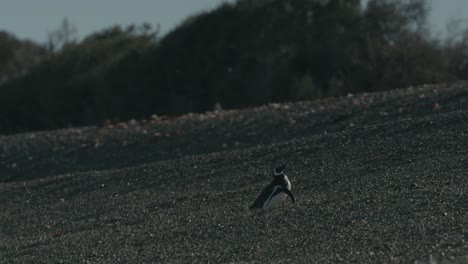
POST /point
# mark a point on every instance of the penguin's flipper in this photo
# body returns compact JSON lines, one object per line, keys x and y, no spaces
{"x":255,"y":205}
{"x":258,"y":204}
{"x":290,"y":194}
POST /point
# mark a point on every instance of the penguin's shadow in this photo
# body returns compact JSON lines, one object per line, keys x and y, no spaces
{"x":285,"y":207}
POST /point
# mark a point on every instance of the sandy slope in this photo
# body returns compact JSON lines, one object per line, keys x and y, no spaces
{"x":378,"y":177}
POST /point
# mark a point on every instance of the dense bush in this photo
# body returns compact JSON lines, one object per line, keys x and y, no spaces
{"x":17,"y":57}
{"x":79,"y":85}
{"x":242,"y":54}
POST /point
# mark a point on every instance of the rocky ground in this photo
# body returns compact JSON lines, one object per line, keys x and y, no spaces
{"x":379,"y":177}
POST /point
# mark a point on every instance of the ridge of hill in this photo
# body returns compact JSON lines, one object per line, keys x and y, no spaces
{"x":243,"y":54}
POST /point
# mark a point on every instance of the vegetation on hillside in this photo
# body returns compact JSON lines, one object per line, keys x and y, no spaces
{"x":17,"y":57}
{"x":243,"y":54}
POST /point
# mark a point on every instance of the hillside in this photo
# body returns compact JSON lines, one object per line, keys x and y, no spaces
{"x":379,"y":177}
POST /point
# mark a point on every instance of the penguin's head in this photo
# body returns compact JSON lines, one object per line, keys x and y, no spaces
{"x":278,"y":170}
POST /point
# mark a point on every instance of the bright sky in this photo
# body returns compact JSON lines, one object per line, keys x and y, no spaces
{"x":30,"y":19}
{"x":33,"y":19}
{"x":443,"y":11}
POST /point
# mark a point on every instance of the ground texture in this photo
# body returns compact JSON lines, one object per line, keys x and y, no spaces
{"x":380,"y":177}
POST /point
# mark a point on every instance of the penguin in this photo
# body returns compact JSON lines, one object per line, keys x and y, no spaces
{"x":275,"y":192}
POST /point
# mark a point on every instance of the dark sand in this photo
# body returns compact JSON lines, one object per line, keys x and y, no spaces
{"x":379,"y":177}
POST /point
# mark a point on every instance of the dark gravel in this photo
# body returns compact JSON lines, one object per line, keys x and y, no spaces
{"x":39,"y":154}
{"x":378,"y":178}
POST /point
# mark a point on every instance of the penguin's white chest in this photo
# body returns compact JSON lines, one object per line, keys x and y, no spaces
{"x":275,"y":200}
